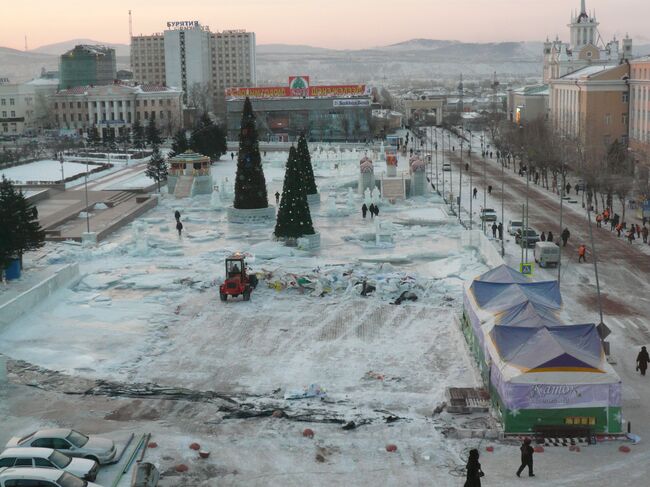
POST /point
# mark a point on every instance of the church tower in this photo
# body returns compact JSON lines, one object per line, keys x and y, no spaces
{"x":584,"y":29}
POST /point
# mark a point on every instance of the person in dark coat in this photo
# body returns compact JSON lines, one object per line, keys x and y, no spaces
{"x":526,"y":458}
{"x":549,"y":237}
{"x":494,"y":230}
{"x":376,"y":210}
{"x":232,"y":156}
{"x":371,"y":209}
{"x":565,"y":236}
{"x":475,"y":192}
{"x":177,"y":215}
{"x":179,"y":227}
{"x":490,"y":189}
{"x":642,"y":360}
{"x":474,"y":472}
{"x":500,"y":229}
{"x":277,"y":198}
{"x":542,"y":237}
{"x":364,"y":210}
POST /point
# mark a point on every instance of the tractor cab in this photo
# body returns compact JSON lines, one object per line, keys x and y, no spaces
{"x":237,"y":281}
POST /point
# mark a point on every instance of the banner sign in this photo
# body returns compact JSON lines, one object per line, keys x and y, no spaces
{"x":298,"y":87}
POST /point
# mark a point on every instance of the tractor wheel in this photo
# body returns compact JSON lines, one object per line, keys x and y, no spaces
{"x":252,"y":279}
{"x":247,"y":295}
{"x":223,"y":296}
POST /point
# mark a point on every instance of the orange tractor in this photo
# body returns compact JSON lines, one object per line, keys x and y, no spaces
{"x":238,"y":281}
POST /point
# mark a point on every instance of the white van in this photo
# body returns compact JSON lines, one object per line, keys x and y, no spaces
{"x":547,"y":254}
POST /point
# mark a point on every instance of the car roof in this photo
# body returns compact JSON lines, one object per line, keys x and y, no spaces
{"x":52,"y":433}
{"x":33,"y":473}
{"x":27,"y":452}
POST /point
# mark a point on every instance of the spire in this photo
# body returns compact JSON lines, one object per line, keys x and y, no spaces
{"x":583,"y":7}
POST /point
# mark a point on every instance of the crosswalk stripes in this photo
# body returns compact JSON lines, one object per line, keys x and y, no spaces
{"x":616,"y":322}
{"x":638,"y":322}
{"x":633,"y":324}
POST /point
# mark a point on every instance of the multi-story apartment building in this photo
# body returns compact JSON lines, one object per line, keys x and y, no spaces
{"x":114,"y":107}
{"x":640,"y":107}
{"x":592,"y":105}
{"x":187,"y":54}
{"x":148,"y":59}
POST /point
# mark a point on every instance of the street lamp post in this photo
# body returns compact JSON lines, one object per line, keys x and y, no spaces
{"x":471,"y":187}
{"x":460,"y":181}
{"x":62,"y":175}
{"x":503,"y":177}
{"x":87,"y":209}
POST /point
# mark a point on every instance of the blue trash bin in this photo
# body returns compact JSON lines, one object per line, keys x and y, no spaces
{"x":13,"y":270}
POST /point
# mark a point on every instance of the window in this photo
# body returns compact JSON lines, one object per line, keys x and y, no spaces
{"x":608,"y":119}
{"x":12,"y":101}
{"x":625,"y":97}
{"x":4,"y":114}
{"x":23,"y":462}
{"x":78,"y":104}
{"x":13,"y":113}
{"x":7,"y":462}
{"x":624,"y":119}
{"x":71,"y":104}
{"x":3,"y":102}
{"x":56,"y":105}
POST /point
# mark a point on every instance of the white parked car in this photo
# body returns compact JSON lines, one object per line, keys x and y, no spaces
{"x":48,"y":458}
{"x":41,"y":477}
{"x":70,"y":442}
{"x":488,"y":215}
{"x":514,"y":226}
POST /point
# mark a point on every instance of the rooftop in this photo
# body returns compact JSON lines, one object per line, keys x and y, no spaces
{"x":117,"y":89}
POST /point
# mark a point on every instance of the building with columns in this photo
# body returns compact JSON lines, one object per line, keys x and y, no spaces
{"x":114,"y":107}
{"x":640,"y":107}
{"x":587,"y":48}
{"x":591,"y":105}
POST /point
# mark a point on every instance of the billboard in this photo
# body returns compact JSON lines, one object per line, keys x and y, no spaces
{"x":299,"y":86}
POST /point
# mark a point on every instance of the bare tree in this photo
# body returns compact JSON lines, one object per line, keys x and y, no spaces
{"x":199,"y":97}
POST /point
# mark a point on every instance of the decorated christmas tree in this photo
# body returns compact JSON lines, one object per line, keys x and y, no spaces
{"x":250,"y":185}
{"x":304,"y":161}
{"x":294,"y":218}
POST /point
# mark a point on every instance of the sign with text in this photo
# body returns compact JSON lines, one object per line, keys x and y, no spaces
{"x":299,"y":86}
{"x":352,"y":102}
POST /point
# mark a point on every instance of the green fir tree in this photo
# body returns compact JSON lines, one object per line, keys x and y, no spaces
{"x":250,"y":185}
{"x":21,"y":231}
{"x":93,"y":138}
{"x":208,"y":138}
{"x":294,"y":217}
{"x":157,"y":166}
{"x":306,"y":169}
{"x":124,"y":138}
{"x":152,"y":133}
{"x":138,"y":135}
{"x":180,"y":144}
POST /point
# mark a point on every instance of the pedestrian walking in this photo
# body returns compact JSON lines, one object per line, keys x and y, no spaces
{"x":638,"y":231}
{"x":494,"y":230}
{"x":475,"y":192}
{"x":179,"y":227}
{"x":599,"y":220}
{"x":474,"y":472}
{"x":371,"y":209}
{"x":542,"y":237}
{"x":526,"y":458}
{"x":630,"y":235}
{"x":565,"y":236}
{"x":277,"y":198}
{"x":642,"y":361}
{"x":577,"y":189}
{"x":644,"y":234}
{"x":500,"y":229}
{"x":568,"y":188}
{"x":549,"y":237}
{"x":232,"y":156}
{"x":177,"y":215}
{"x":376,"y":210}
{"x":582,"y":254}
{"x":364,"y":210}
{"x":466,"y":167}
{"x":491,"y":155}
{"x":619,"y":227}
{"x":490,"y":189}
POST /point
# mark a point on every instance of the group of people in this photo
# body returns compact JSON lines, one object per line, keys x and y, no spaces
{"x":615,"y":224}
{"x":373,"y":209}
{"x":475,"y":473}
{"x":497,"y":229}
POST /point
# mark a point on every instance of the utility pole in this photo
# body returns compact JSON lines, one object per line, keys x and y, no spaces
{"x":559,"y":264}
{"x":471,"y":188}
{"x":503,"y":250}
{"x":460,"y":181}
{"x":443,"y":166}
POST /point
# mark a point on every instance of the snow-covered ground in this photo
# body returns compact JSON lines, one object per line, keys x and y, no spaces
{"x":45,"y":170}
{"x":147,"y":311}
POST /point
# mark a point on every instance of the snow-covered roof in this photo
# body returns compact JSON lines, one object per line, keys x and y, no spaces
{"x":588,"y":71}
{"x":117,"y":89}
{"x":43,"y":82}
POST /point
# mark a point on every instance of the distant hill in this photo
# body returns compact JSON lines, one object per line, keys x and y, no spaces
{"x":416,"y":44}
{"x":60,"y":47}
{"x":21,"y":66}
{"x":290,"y":49}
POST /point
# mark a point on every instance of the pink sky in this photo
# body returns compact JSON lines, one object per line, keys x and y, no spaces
{"x":325,"y":23}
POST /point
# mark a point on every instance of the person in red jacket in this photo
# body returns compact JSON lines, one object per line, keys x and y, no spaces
{"x":582,"y":253}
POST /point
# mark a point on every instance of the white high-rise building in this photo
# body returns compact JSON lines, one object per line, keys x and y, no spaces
{"x":187,"y":56}
{"x":188,"y":53}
